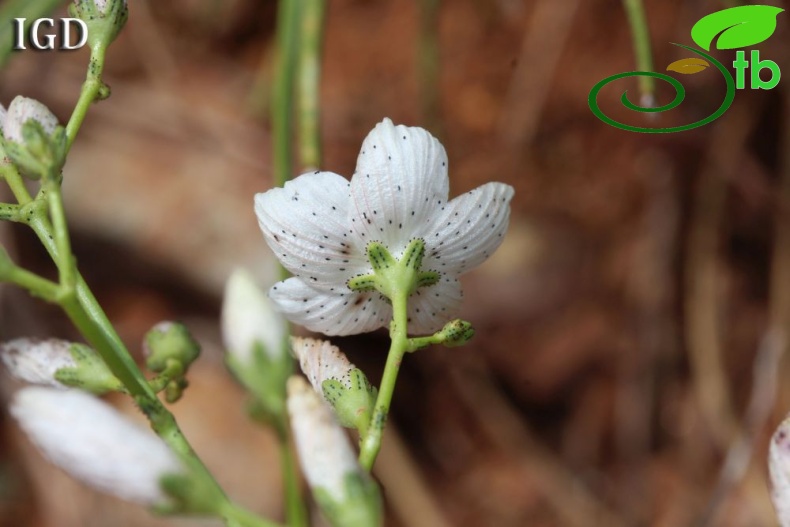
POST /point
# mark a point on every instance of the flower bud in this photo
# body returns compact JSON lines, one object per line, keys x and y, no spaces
{"x":169,"y":341}
{"x":95,"y":444}
{"x":249,"y":320}
{"x":254,"y":336}
{"x":59,"y":364}
{"x":779,"y":470}
{"x":22,"y":110}
{"x":33,"y":139}
{"x":342,"y":385}
{"x":105,"y":19}
{"x":456,"y":333}
{"x":346,"y":495}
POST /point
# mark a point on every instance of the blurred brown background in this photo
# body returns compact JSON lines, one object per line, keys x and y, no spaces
{"x":628,"y":364}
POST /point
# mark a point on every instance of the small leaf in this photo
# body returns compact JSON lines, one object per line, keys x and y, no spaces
{"x":739,"y":27}
{"x":688,"y":66}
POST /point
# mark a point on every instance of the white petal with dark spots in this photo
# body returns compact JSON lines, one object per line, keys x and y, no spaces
{"x":334,"y":312}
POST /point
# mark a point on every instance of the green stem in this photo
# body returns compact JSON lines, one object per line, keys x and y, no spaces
{"x":87,"y":316}
{"x":311,"y":36}
{"x":11,"y":175}
{"x":65,"y":263}
{"x":236,"y":516}
{"x":295,"y":511}
{"x":89,"y":92}
{"x":38,"y":286}
{"x":10,"y":212}
{"x":371,"y":443}
{"x":428,"y":63}
{"x":283,"y":102}
{"x":641,"y":38}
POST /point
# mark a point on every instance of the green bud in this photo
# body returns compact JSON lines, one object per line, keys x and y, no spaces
{"x":104,"y":18}
{"x":169,"y":341}
{"x":343,"y":385}
{"x":90,"y":373}
{"x":353,"y":400}
{"x":360,"y":505}
{"x":456,"y":333}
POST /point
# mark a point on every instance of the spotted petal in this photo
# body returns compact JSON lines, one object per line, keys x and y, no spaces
{"x":401,"y":178}
{"x":432,"y":307}
{"x":468,"y":230}
{"x":304,"y":223}
{"x":336,"y":311}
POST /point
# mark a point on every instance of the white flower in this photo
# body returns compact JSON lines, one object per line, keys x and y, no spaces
{"x":325,"y":452}
{"x":21,"y":110}
{"x":95,"y":444}
{"x":779,"y":470}
{"x":36,"y":361}
{"x":320,"y":360}
{"x":248,"y":317}
{"x":319,"y":226}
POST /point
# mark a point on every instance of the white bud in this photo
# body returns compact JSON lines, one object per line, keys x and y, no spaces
{"x":36,"y":361}
{"x":320,"y":360}
{"x":23,"y":109}
{"x":3,"y":113}
{"x":249,"y":317}
{"x":779,"y":470}
{"x":325,"y":453}
{"x":95,"y":444}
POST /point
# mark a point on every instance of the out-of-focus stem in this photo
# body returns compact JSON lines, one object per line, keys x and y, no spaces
{"x":282,"y":94}
{"x":644,"y":56}
{"x":428,"y":63}
{"x":311,"y":37}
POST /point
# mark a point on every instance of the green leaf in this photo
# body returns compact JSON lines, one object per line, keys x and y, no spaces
{"x":739,"y":27}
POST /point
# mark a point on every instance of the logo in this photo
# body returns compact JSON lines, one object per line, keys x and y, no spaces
{"x":33,"y":34}
{"x":737,"y":27}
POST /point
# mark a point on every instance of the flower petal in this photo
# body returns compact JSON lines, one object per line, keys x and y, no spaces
{"x":304,"y":223}
{"x":401,"y":177}
{"x":336,"y":311}
{"x":95,"y":443}
{"x":468,"y":230}
{"x":320,"y":361}
{"x":430,"y":308}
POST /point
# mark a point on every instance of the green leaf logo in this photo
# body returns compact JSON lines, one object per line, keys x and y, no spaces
{"x":739,"y":27}
{"x":688,"y":66}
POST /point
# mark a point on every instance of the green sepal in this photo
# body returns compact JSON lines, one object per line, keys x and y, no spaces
{"x":353,"y":405}
{"x":103,"y":26}
{"x":39,"y":154}
{"x":360,"y":506}
{"x":189,"y":495}
{"x":170,"y":342}
{"x":90,"y":374}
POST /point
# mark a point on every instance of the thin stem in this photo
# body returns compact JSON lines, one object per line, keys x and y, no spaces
{"x":428,"y":62}
{"x":10,"y":212}
{"x":38,"y":286}
{"x":371,"y":443}
{"x":295,"y":511}
{"x":283,"y":103}
{"x":89,"y":92}
{"x":236,"y":516}
{"x":65,"y":261}
{"x":11,"y":175}
{"x":311,"y":36}
{"x":640,"y":35}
